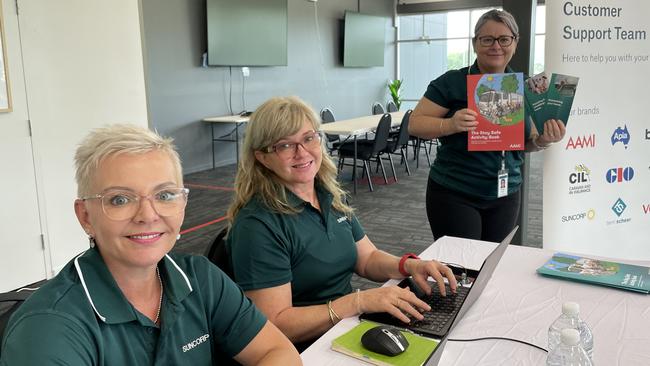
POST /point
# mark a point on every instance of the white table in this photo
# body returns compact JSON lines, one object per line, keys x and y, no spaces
{"x":355,"y":127}
{"x":238,"y":120}
{"x":518,"y":303}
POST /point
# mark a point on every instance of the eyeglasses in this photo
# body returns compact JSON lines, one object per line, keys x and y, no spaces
{"x":504,"y":41}
{"x":287,"y":150}
{"x":121,"y":205}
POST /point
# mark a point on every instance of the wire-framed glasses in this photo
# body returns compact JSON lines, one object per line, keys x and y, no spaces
{"x":286,"y":150}
{"x":504,"y":41}
{"x":124,"y":205}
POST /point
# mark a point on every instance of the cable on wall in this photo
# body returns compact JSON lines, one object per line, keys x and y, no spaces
{"x":320,"y":52}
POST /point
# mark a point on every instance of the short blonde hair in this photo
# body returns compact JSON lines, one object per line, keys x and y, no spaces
{"x":117,"y":139}
{"x":499,"y":16}
{"x":277,"y":118}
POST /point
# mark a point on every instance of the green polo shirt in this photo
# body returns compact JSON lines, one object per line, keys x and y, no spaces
{"x":473,"y":173}
{"x":313,"y":250}
{"x":82,"y":318}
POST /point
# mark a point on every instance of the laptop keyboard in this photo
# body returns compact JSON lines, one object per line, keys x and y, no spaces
{"x":443,"y":310}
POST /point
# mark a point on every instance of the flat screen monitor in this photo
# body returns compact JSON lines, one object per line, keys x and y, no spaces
{"x":247,"y":32}
{"x":364,"y":40}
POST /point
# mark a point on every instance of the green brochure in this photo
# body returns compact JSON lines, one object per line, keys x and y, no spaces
{"x":550,"y":99}
{"x":417,"y":353}
{"x":598,"y":272}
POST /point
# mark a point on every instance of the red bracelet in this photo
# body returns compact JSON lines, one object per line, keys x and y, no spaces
{"x":403,"y":260}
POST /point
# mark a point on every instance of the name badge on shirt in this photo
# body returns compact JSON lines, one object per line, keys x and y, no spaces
{"x":502,"y":183}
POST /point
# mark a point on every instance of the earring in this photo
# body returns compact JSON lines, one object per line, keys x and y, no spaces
{"x":178,"y":236}
{"x":91,"y":241}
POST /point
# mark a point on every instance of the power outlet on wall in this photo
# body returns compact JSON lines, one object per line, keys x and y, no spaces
{"x":246,"y":71}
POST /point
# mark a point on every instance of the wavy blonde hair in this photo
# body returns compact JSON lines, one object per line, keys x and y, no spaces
{"x":277,"y":118}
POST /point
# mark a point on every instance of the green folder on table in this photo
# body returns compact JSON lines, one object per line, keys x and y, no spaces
{"x":418,"y":352}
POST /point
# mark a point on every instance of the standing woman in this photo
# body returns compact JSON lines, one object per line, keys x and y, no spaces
{"x":294,"y":242}
{"x":462,"y":198}
{"x":126,"y":301}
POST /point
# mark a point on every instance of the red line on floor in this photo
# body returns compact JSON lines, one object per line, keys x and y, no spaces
{"x":205,"y":186}
{"x":197,"y":227}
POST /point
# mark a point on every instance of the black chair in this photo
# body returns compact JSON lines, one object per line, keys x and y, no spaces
{"x":377,"y":108}
{"x":391,"y":107}
{"x":217,"y":253}
{"x":333,"y":141}
{"x":9,"y":303}
{"x":368,"y":149}
{"x":401,"y":141}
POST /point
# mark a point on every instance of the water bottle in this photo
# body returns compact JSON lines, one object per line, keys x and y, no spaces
{"x":568,"y":352}
{"x":570,"y":318}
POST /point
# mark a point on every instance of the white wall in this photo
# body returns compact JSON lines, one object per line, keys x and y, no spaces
{"x":83,"y":69}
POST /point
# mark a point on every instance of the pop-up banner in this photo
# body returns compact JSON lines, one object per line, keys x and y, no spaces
{"x":597,"y":180}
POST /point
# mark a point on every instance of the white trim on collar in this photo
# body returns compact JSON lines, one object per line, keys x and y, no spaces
{"x":180,"y":271}
{"x":83,"y":284}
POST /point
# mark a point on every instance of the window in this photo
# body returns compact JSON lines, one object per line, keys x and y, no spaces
{"x":430,"y":44}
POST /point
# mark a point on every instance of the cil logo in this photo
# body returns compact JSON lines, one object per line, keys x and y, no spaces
{"x":621,"y":135}
{"x":579,"y":179}
{"x":619,"y":207}
{"x":618,"y":175}
{"x":581,"y":142}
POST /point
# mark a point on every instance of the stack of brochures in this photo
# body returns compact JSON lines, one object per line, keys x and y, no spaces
{"x":418,"y":352}
{"x":598,"y":272}
{"x":550,"y":99}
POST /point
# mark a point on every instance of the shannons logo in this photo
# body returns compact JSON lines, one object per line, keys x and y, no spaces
{"x":191,"y":345}
{"x":618,"y":175}
{"x":619,"y":207}
{"x":621,"y":135}
{"x":581,"y":142}
{"x":589,"y":214}
{"x":579,"y":179}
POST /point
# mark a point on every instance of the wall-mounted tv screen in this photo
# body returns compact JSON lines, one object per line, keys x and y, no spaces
{"x":364,"y":40}
{"x":247,"y":32}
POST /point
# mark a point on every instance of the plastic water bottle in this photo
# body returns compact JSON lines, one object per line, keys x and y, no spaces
{"x":568,"y":352}
{"x":570,"y":318}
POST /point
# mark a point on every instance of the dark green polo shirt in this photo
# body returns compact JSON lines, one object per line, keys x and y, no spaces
{"x":470,"y":172}
{"x":82,"y":318}
{"x":314,"y":250}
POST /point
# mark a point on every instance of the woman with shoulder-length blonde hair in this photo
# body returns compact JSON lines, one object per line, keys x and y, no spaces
{"x":293,"y":241}
{"x":127,"y":300}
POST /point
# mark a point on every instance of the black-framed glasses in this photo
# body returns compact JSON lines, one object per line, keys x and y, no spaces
{"x":504,"y":41}
{"x":121,"y":205}
{"x":286,"y":150}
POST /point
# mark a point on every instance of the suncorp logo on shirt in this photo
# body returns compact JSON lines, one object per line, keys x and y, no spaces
{"x":196,"y":342}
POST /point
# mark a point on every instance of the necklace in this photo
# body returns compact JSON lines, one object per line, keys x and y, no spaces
{"x":161,"y":296}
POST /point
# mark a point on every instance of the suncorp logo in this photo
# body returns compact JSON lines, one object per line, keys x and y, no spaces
{"x":618,"y":175}
{"x":621,"y":135}
{"x":581,"y":142}
{"x":589,"y":214}
{"x":579,"y":179}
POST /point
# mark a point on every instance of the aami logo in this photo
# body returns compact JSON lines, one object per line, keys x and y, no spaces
{"x":646,"y":209}
{"x":579,"y":179}
{"x":619,"y":207}
{"x":581,"y":142}
{"x":619,"y":174}
{"x":621,"y":135}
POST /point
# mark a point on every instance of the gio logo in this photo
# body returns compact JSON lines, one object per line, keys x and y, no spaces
{"x":619,"y":174}
{"x":621,"y":135}
{"x":581,"y":142}
{"x":619,"y":207}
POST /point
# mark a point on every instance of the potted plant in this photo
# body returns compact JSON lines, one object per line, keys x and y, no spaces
{"x":394,"y":86}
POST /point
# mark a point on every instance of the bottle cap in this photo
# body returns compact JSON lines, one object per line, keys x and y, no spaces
{"x":570,"y":308}
{"x":570,"y":337}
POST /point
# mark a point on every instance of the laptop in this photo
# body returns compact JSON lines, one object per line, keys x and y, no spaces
{"x":447,"y":311}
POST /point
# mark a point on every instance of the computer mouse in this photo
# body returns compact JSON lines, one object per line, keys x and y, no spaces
{"x":385,"y":340}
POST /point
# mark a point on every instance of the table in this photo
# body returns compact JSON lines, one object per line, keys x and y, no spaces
{"x":238,"y":120}
{"x":355,"y":127}
{"x":518,"y":303}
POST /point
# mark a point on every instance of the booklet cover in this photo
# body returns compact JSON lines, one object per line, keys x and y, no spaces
{"x":599,"y":272}
{"x":550,"y":99}
{"x":499,"y":101}
{"x":417,"y":353}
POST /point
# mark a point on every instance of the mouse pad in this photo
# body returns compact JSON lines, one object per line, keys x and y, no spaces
{"x":418,"y":352}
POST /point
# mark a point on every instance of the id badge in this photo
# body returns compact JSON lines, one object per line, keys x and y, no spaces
{"x":502,"y":183}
